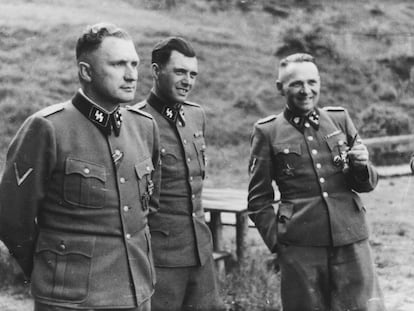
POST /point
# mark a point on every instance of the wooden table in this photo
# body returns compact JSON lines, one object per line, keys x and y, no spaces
{"x":232,"y":201}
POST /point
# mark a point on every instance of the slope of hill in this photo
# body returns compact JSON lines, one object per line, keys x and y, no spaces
{"x":363,"y":49}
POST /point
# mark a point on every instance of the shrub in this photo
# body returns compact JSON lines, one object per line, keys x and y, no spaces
{"x":384,"y":121}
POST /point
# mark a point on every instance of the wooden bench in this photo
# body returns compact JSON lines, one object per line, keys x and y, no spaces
{"x":229,"y":201}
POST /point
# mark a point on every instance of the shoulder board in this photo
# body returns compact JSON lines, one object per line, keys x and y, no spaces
{"x":333,"y":108}
{"x":191,"y":104}
{"x":135,"y":109}
{"x":45,"y":112}
{"x":267,"y":119}
{"x":140,"y":105}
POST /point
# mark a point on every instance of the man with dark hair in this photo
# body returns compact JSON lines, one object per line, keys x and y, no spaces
{"x":181,"y":239}
{"x":69,"y":209}
{"x":319,"y":231}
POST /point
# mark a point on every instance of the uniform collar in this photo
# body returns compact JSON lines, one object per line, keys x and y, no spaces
{"x":302,"y":121}
{"x":105,"y":121}
{"x":170,"y":112}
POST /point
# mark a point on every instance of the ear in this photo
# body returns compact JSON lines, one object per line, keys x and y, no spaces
{"x":155,"y":70}
{"x":279,"y":86}
{"x":84,"y":70}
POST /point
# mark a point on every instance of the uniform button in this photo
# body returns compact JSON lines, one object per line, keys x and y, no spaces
{"x":185,"y":141}
{"x":194,"y":214}
{"x":163,"y":150}
{"x":128,"y":236}
{"x":318,"y":165}
{"x":117,"y":152}
{"x":306,"y":124}
{"x":148,"y":168}
{"x":314,"y":151}
{"x":126,"y":208}
{"x":193,"y":196}
{"x":322,"y":180}
{"x":86,"y":170}
{"x":188,"y":160}
{"x":179,"y":123}
{"x":122,"y":180}
{"x":203,"y":147}
{"x":325,"y":194}
{"x":286,"y":150}
{"x":191,"y":178}
{"x":62,"y":247}
{"x":340,"y":143}
{"x":310,"y":138}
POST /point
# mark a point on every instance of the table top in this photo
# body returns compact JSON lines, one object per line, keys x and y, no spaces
{"x":225,"y":200}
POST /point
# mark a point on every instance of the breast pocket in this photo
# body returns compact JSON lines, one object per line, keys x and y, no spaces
{"x":144,"y":171}
{"x":62,"y":267}
{"x":287,"y":159}
{"x":200,"y":147}
{"x":171,"y":161}
{"x":84,"y":183}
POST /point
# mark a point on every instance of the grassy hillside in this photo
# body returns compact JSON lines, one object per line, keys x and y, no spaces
{"x":363,"y":49}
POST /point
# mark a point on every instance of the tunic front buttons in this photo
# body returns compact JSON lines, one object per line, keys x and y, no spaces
{"x":314,"y":151}
{"x":310,"y":138}
{"x":86,"y":170}
{"x":184,"y":141}
{"x":307,"y":124}
{"x":322,"y":180}
{"x":318,"y":165}
{"x":193,"y":196}
{"x":122,"y":180}
{"x":325,"y":194}
{"x":126,"y":208}
{"x":128,"y":236}
{"x":188,"y":160}
{"x":191,"y":178}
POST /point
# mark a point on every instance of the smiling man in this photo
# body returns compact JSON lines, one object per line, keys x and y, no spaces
{"x":181,"y":239}
{"x":69,"y":213}
{"x":319,"y":231}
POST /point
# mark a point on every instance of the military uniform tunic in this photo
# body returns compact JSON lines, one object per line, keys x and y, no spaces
{"x":74,"y":206}
{"x":319,"y":204}
{"x":180,"y":235}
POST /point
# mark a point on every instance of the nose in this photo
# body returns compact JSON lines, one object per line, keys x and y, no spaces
{"x":131,"y":73}
{"x":305,"y":89}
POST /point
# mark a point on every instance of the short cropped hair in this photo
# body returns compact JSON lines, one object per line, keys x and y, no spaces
{"x":295,"y":58}
{"x":162,"y":50}
{"x":92,"y":37}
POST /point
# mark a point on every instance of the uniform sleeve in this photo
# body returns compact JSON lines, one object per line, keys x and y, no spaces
{"x":154,"y":203}
{"x":360,"y":180}
{"x":22,"y":188}
{"x":261,"y":193}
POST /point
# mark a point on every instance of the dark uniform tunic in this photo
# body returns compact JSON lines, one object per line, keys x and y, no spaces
{"x":181,"y":239}
{"x":319,"y":204}
{"x":74,"y":203}
{"x":180,"y":235}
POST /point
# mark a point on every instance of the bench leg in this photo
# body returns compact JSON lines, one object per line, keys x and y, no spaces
{"x":242,"y":226}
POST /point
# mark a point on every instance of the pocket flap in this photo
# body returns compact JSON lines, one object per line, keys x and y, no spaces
{"x":335,"y":141}
{"x":143,"y":168}
{"x":85,"y":168}
{"x":287,"y":148}
{"x":64,"y":244}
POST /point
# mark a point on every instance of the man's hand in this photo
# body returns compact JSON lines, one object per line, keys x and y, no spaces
{"x":358,"y":155}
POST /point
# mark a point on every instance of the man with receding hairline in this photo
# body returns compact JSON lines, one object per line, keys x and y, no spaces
{"x":78,"y":187}
{"x":319,"y":231}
